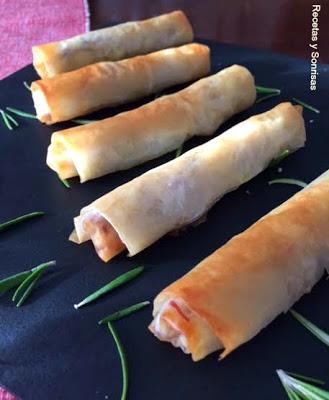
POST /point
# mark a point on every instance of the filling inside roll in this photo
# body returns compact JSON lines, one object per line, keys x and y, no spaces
{"x":106,"y":241}
{"x":62,"y":161}
{"x":175,"y":323}
{"x":41,"y":104}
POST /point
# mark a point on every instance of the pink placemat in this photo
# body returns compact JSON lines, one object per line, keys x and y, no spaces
{"x":5,"y":395}
{"x":24,"y":23}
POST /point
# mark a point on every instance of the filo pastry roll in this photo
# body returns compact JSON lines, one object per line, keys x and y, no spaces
{"x":239,"y":289}
{"x":111,"y":44}
{"x":106,"y":84}
{"x":149,"y":131}
{"x":175,"y":194}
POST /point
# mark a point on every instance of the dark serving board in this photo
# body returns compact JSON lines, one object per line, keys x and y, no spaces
{"x":48,"y":350}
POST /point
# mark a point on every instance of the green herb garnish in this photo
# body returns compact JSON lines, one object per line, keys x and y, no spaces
{"x":13,"y":281}
{"x":284,"y":154}
{"x":22,"y":218}
{"x":27,"y":291}
{"x":26,"y":85}
{"x":317,"y":332}
{"x":21,"y":113}
{"x":64,"y":182}
{"x":179,"y":151}
{"x":25,"y":281}
{"x":262,"y":89}
{"x":120,"y":280}
{"x":302,"y":103}
{"x":289,"y":181}
{"x":6,"y":119}
{"x":33,"y":116}
{"x":297,"y":389}
{"x":11,"y":119}
{"x":306,"y":378}
{"x":268,"y":96}
{"x":123,"y":359}
{"x":25,"y":288}
{"x":83,"y":121}
{"x":124,"y":312}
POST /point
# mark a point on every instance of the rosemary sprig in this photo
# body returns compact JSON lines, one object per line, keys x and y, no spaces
{"x":6,"y":120}
{"x":25,"y":281}
{"x":289,"y":182}
{"x":83,"y":121}
{"x":65,"y":182}
{"x":124,"y":312}
{"x":267,"y":90}
{"x":120,"y":280}
{"x":25,"y":288}
{"x":302,"y":103}
{"x":123,"y":359}
{"x":317,"y":332}
{"x":266,"y":97}
{"x":27,"y":291}
{"x":13,"y":120}
{"x":27,"y":85}
{"x":297,"y":389}
{"x":21,"y":113}
{"x":284,"y":154}
{"x":306,"y":378}
{"x":25,"y":114}
{"x":13,"y":281}
{"x":22,"y":218}
{"x":179,"y":151}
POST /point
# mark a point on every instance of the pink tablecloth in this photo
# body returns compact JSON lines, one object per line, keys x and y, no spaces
{"x":24,"y":23}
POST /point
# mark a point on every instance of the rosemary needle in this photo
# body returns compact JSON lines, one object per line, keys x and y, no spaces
{"x":302,"y":103}
{"x":21,"y":113}
{"x":83,"y":121}
{"x":266,"y":97}
{"x":22,"y":218}
{"x":12,"y":281}
{"x":297,"y":389}
{"x":64,"y":182}
{"x":262,"y":89}
{"x":123,"y":359}
{"x":26,"y":85}
{"x":179,"y":151}
{"x":5,"y":120}
{"x":284,"y":154}
{"x":120,"y":280}
{"x":124,"y":312}
{"x":317,"y":332}
{"x":289,"y":181}
{"x":24,"y":289}
{"x":306,"y":378}
{"x":27,"y":291}
{"x":13,"y":120}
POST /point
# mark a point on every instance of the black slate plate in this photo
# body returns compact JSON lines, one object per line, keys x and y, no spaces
{"x":48,"y":350}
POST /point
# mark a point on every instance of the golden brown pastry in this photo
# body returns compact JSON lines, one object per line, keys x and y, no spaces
{"x":112,"y":44}
{"x":149,"y":131}
{"x":239,"y":289}
{"x":181,"y":191}
{"x":107,"y":84}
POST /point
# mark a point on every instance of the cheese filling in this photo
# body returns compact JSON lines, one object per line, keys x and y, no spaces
{"x":41,"y":105}
{"x":177,"y":324}
{"x":93,"y":226}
